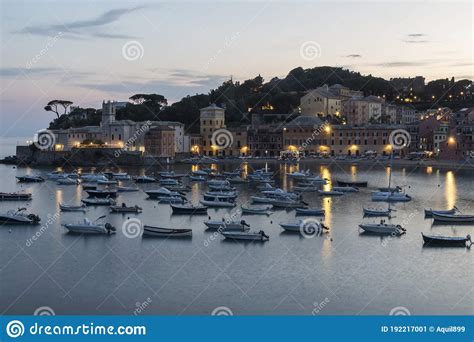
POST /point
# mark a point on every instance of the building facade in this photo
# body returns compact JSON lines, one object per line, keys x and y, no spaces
{"x":320,"y":102}
{"x":211,"y":118}
{"x":159,"y":142}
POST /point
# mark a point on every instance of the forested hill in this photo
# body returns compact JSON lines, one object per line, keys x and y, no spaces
{"x":277,"y":96}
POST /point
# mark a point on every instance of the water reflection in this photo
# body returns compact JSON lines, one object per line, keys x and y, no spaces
{"x":450,"y":189}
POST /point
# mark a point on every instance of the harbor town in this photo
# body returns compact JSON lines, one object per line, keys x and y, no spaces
{"x":243,"y":159}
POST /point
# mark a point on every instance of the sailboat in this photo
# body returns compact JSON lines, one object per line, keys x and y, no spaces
{"x":390,"y":195}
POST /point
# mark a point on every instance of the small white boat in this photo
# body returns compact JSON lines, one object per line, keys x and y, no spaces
{"x":217,"y":204}
{"x":249,"y":236}
{"x":162,"y":192}
{"x":237,"y":180}
{"x":166,"y":232}
{"x":330,"y":193}
{"x":429,"y":212}
{"x":197,"y":179}
{"x":227,"y":225}
{"x":88,"y":227}
{"x":306,"y":188}
{"x":299,"y":174}
{"x":120,"y":176}
{"x":15,"y":196}
{"x":144,"y":179}
{"x":169,"y":181}
{"x":345,"y":188}
{"x":66,"y":207}
{"x":390,"y":196}
{"x":280,"y":194}
{"x":93,"y":177}
{"x":377,"y":212}
{"x":188,"y":209}
{"x":107,"y":182}
{"x":310,"y":211}
{"x":171,"y":174}
{"x":255,"y":211}
{"x":67,"y":181}
{"x":170,"y":199}
{"x":19,"y":216}
{"x":265,"y":186}
{"x":383,"y":228}
{"x":452,"y":218}
{"x":127,"y":189}
{"x":299,"y":226}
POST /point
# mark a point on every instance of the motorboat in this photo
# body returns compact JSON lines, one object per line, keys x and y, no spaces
{"x":429,"y":212}
{"x":265,"y":186}
{"x":377,"y":211}
{"x":255,"y":210}
{"x":88,"y":227}
{"x":197,"y":179}
{"x":221,"y":188}
{"x":299,"y":174}
{"x":55,"y":175}
{"x":315,"y":180}
{"x":30,"y":179}
{"x":124,"y":209}
{"x":310,"y":211}
{"x":89,"y":186}
{"x":383,"y":228}
{"x":301,"y":226}
{"x":345,"y":189}
{"x":171,"y":174}
{"x":217,"y":203}
{"x":227,"y":225}
{"x":107,"y":182}
{"x":199,"y":173}
{"x":188,"y":209}
{"x":93,"y":177}
{"x":280,"y":194}
{"x":120,"y":176}
{"x":67,"y":181}
{"x":357,"y":184}
{"x":166,"y":232}
{"x":66,"y":207}
{"x":98,"y":201}
{"x":162,"y":192}
{"x":249,"y":236}
{"x":330,"y":193}
{"x":309,"y":188}
{"x":229,"y":195}
{"x":144,"y":179}
{"x":390,"y":196}
{"x":15,"y":196}
{"x":169,"y":181}
{"x":446,"y":241}
{"x":391,"y":189}
{"x":218,"y":182}
{"x":452,"y":218}
{"x":127,"y":189}
{"x":19,"y":216}
{"x":102,"y":193}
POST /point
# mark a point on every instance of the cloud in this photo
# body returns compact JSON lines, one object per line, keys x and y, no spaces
{"x":353,"y":56}
{"x":415,"y":38}
{"x":81,"y":29}
{"x":402,"y":64}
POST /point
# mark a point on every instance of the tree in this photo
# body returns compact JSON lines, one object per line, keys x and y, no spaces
{"x":54,"y":105}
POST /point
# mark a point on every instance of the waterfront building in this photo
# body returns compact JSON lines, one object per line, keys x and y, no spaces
{"x":320,"y":102}
{"x":239,"y":141}
{"x":159,"y":142}
{"x":304,"y":135}
{"x":211,"y":118}
{"x":362,"y":110}
{"x":265,"y":140}
{"x":179,"y":136}
{"x":76,"y":136}
{"x":195,"y":142}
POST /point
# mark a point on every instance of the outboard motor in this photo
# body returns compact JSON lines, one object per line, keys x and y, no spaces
{"x":243,"y":223}
{"x":110,"y":229}
{"x":34,"y":218}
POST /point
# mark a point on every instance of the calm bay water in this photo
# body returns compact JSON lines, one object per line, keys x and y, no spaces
{"x":341,"y":272}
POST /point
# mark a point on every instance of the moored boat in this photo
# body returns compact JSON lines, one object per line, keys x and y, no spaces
{"x":310,"y":211}
{"x":248,"y":236}
{"x":390,"y":196}
{"x":124,"y":209}
{"x":345,"y":189}
{"x":30,"y":179}
{"x":255,"y":211}
{"x":377,"y":212}
{"x":188,"y":209}
{"x":66,"y":207}
{"x":452,"y":218}
{"x":98,"y":201}
{"x":67,"y":181}
{"x":429,"y":212}
{"x":357,"y":184}
{"x":166,"y":232}
{"x":88,"y":227}
{"x":227,"y":225}
{"x":383,"y":228}
{"x":15,"y":196}
{"x":19,"y":216}
{"x":446,"y":241}
{"x":144,"y":179}
{"x":330,"y":193}
{"x":127,"y":189}
{"x":102,"y":193}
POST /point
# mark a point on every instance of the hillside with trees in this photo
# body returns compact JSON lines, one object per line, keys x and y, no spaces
{"x":275,"y":96}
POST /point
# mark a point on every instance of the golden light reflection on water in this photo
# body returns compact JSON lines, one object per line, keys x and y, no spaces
{"x":326,"y":174}
{"x":327,"y":201}
{"x":194,"y":168}
{"x":326,"y":249}
{"x":353,"y":172}
{"x":450,"y":189}
{"x":59,"y":195}
{"x":429,"y":170}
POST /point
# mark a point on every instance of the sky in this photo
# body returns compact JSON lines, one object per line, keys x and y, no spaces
{"x":88,"y":51}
